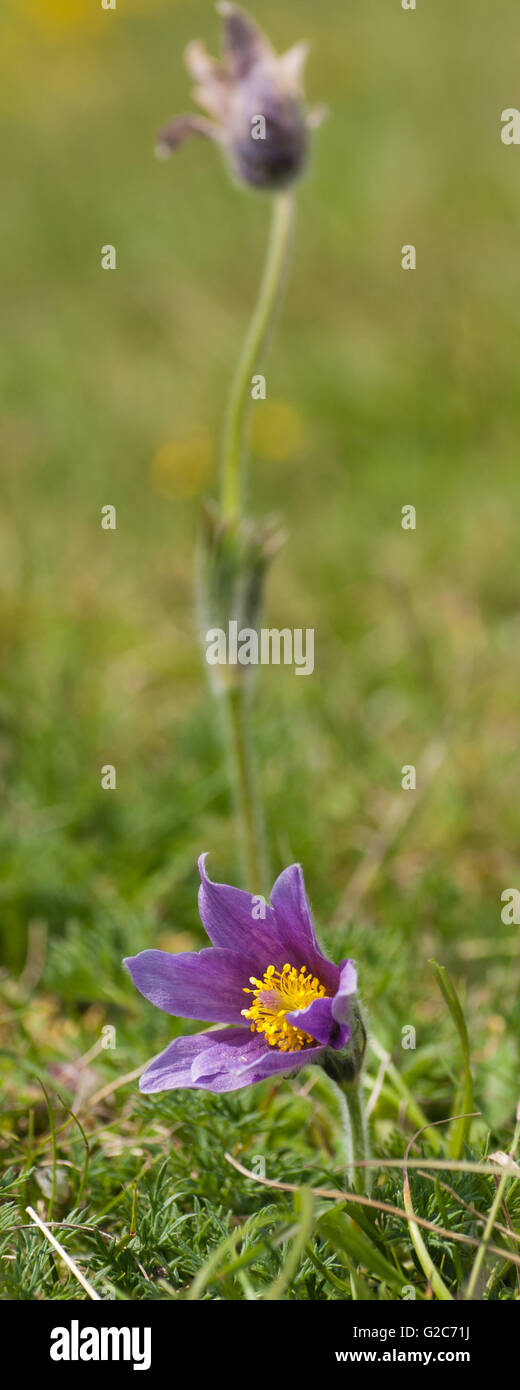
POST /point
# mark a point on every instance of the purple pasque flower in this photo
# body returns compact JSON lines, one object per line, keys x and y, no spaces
{"x":254,"y":101}
{"x":264,"y":976}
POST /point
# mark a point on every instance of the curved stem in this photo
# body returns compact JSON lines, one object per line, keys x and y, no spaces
{"x":240,"y":395}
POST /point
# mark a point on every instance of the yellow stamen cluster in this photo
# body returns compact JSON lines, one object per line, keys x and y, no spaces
{"x":276,"y":995}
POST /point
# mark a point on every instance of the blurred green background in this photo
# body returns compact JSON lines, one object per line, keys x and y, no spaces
{"x":384,"y":388}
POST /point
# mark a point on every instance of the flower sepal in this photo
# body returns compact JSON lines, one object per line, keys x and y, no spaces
{"x":344,"y":1065}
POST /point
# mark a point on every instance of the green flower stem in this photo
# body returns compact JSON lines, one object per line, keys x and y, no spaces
{"x":357,"y":1140}
{"x":240,"y":395}
{"x":248,"y":805}
{"x":236,"y":697}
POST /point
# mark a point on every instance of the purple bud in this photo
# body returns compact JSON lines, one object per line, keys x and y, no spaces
{"x":254,"y":101}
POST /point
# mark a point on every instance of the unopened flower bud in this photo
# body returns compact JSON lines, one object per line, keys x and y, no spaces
{"x":254,"y":101}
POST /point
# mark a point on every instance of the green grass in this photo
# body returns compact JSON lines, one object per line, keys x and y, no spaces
{"x":384,"y":388}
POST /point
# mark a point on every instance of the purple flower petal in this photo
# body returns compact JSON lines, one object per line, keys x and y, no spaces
{"x":347,"y":986}
{"x":243,"y":43}
{"x":209,"y":985}
{"x":233,"y":919}
{"x":221,"y":1061}
{"x":262,"y":1063}
{"x":318,"y":1020}
{"x":171,"y":1069}
{"x":180,"y":129}
{"x":295,"y":927}
{"x":328,"y":1020}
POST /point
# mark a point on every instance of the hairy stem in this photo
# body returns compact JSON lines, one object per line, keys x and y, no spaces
{"x":248,"y":805}
{"x":240,"y":395}
{"x":249,"y":811}
{"x":356,"y":1138}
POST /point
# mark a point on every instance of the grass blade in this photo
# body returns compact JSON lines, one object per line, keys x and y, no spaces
{"x":461,"y":1130}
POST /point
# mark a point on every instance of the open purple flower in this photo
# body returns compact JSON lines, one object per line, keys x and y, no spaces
{"x":264,"y":976}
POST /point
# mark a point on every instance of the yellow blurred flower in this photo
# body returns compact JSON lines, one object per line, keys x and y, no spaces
{"x":75,"y":14}
{"x":278,"y":431}
{"x":181,"y":467}
{"x":176,"y":942}
{"x":60,"y":14}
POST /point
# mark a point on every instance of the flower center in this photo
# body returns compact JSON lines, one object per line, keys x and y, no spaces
{"x":276,"y":995}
